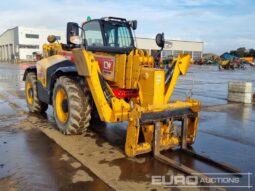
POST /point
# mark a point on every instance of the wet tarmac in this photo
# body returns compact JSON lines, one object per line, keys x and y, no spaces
{"x":30,"y":160}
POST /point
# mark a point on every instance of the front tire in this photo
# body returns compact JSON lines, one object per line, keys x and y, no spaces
{"x":72,"y":110}
{"x":33,"y":102}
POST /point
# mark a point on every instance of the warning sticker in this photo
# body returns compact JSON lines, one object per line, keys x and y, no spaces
{"x":107,"y":66}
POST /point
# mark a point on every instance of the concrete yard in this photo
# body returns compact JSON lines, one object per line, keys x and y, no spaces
{"x":35,"y":156}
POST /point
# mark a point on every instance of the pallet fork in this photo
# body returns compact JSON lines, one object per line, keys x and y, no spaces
{"x":186,"y":170}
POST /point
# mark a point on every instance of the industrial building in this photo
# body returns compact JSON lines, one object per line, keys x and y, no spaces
{"x":21,"y":43}
{"x":175,"y":47}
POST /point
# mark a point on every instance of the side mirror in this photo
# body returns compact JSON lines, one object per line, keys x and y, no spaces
{"x":75,"y":40}
{"x":160,"y":40}
{"x":51,"y":38}
{"x":133,"y":24}
{"x":72,"y":29}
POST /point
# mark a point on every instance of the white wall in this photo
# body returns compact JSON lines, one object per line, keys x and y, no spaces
{"x":7,"y":42}
{"x":43,"y":34}
{"x":12,"y":40}
{"x":177,"y":45}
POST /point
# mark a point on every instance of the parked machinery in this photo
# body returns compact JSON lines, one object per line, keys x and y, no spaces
{"x":229,"y":61}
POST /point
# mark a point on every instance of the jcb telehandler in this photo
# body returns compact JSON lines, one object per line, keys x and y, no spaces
{"x":101,"y":72}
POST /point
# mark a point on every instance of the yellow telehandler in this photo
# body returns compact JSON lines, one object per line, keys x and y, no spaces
{"x":101,"y":72}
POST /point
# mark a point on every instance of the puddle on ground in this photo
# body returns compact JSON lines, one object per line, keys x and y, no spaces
{"x":33,"y":161}
{"x":6,"y":108}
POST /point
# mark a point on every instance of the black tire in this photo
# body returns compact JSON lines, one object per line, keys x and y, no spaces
{"x":36,"y":106}
{"x":94,"y":113}
{"x":78,"y":106}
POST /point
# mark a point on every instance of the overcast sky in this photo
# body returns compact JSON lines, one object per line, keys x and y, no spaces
{"x":222,"y":24}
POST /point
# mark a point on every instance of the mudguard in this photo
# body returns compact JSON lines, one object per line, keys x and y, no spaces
{"x":29,"y":69}
{"x":66,"y":70}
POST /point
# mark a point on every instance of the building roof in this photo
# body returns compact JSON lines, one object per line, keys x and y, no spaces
{"x":8,"y":30}
{"x":41,"y":28}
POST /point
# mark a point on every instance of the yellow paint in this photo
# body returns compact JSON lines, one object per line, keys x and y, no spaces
{"x":182,"y":63}
{"x":248,"y":59}
{"x":167,"y":140}
{"x":51,"y":49}
{"x":120,"y":70}
{"x":152,"y":84}
{"x":152,"y":97}
{"x":136,"y":60}
{"x":131,"y":71}
{"x":43,"y":65}
{"x":224,"y":62}
{"x":129,"y":67}
{"x":29,"y":88}
{"x":120,"y":108}
{"x":61,"y":96}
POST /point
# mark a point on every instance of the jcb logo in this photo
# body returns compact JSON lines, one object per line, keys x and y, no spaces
{"x":107,"y":65}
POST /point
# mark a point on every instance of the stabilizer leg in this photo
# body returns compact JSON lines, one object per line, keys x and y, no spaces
{"x":132,"y":147}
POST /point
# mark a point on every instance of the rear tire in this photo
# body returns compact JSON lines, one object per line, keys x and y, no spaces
{"x":72,"y":109}
{"x":33,"y":102}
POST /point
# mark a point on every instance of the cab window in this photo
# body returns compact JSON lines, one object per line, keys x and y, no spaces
{"x":118,"y":35}
{"x":93,"y":34}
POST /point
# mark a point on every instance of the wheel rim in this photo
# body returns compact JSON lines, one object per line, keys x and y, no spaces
{"x":61,"y":105}
{"x":29,"y":92}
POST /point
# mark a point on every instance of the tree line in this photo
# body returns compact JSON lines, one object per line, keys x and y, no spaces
{"x":243,"y":52}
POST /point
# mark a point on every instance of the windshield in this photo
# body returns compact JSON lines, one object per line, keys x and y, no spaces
{"x":117,"y":35}
{"x":108,"y":34}
{"x":92,"y":33}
